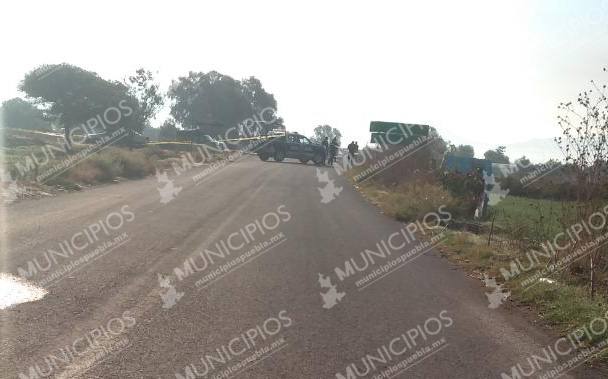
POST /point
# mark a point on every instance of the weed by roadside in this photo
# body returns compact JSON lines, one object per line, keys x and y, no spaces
{"x":561,"y":302}
{"x":43,"y":167}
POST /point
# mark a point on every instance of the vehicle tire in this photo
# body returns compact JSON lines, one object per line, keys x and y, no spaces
{"x":279,"y":156}
{"x":318,"y":159}
{"x":263,"y":156}
{"x":304,"y":161}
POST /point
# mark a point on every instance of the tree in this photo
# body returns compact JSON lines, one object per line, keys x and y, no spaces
{"x":523,"y":162}
{"x":19,"y":114}
{"x":498,"y":155}
{"x":263,"y":104}
{"x":463,"y":151}
{"x":76,"y":96}
{"x":323,"y":131}
{"x":257,"y":95}
{"x":437,"y":148}
{"x":142,"y":87}
{"x":168,"y":130}
{"x":584,"y":143}
{"x":209,"y":98}
{"x":276,"y":126}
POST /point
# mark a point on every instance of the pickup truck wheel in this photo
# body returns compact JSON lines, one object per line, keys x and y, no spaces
{"x":304,"y":161}
{"x":318,"y":159}
{"x":279,"y":156}
{"x":263,"y":156}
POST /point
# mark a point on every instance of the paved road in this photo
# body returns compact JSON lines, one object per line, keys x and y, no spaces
{"x":267,"y":308}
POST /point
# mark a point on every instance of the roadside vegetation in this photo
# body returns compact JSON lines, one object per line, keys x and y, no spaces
{"x":108,"y":165}
{"x":566,"y":287}
{"x":562,"y":301}
{"x":51,"y":138}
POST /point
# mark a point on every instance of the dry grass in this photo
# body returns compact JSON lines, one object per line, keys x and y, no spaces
{"x":31,"y":159}
{"x":409,"y":201}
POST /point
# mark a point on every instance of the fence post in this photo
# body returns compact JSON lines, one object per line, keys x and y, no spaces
{"x":491,"y":230}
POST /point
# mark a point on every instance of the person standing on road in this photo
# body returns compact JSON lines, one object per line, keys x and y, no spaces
{"x":325,"y":144}
{"x":333,"y":149}
{"x":351,"y":151}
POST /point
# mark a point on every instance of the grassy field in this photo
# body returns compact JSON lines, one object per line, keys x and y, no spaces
{"x":537,"y":219}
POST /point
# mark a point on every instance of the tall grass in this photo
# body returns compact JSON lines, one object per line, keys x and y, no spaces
{"x":109,"y":164}
{"x":409,"y":201}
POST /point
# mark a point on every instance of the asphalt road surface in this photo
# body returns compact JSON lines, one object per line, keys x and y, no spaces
{"x":263,"y":310}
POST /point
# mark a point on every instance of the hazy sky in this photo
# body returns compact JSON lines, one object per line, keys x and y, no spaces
{"x":481,"y":72}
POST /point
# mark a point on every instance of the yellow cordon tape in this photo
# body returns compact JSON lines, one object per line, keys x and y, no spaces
{"x":227,"y":140}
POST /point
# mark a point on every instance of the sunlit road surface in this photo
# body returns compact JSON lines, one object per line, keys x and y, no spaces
{"x":128,"y":303}
{"x":14,"y":290}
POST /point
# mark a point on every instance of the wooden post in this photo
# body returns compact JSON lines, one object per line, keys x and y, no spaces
{"x":591,"y":280}
{"x":491,"y":230}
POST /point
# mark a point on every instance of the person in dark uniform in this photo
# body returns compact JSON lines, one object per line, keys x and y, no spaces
{"x":325,"y":144}
{"x":333,"y":150}
{"x":351,"y":151}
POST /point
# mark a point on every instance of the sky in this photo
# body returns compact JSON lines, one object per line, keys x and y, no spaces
{"x":485,"y":73}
